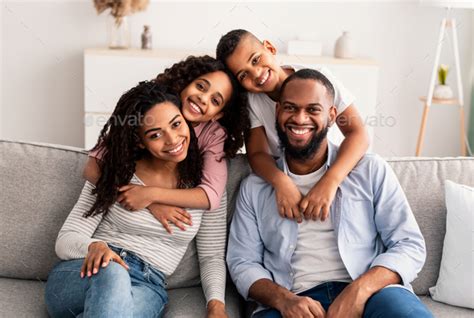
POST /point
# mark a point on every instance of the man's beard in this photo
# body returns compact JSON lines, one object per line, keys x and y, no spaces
{"x":302,"y":153}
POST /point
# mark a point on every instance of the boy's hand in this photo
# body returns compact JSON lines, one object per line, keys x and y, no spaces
{"x":134,"y":197}
{"x":318,"y":200}
{"x":99,"y":255}
{"x":175,"y":215}
{"x":288,"y":198}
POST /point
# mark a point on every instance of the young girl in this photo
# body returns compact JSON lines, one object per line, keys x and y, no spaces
{"x":217,"y":109}
{"x":255,"y":66}
{"x":115,"y":262}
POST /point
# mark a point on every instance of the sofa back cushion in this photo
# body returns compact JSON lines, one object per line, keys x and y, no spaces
{"x":422,"y":179}
{"x":39,"y":186}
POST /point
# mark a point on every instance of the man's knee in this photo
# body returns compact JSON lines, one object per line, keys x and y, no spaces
{"x":395,"y":302}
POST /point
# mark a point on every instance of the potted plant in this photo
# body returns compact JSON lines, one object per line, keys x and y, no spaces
{"x":442,"y":90}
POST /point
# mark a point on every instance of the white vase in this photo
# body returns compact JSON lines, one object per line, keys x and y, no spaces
{"x":443,"y":92}
{"x":343,"y":47}
{"x":118,"y":32}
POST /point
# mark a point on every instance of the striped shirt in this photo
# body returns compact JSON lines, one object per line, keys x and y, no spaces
{"x":140,"y":233}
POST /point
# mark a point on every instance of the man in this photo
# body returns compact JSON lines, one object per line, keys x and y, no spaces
{"x":357,"y":263}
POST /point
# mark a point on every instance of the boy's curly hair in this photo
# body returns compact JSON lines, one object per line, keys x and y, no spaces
{"x":235,"y":117}
{"x":119,"y":143}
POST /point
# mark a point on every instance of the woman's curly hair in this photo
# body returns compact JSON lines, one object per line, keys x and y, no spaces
{"x":235,"y":117}
{"x":119,"y":143}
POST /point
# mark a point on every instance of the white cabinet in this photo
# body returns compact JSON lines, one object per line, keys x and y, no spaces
{"x":109,"y":73}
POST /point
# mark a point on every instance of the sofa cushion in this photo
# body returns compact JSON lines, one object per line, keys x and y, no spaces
{"x":190,"y":303}
{"x":22,"y":298}
{"x":441,"y":310}
{"x":422,"y":179}
{"x":25,"y":299}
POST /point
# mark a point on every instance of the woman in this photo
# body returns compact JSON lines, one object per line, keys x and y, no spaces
{"x":214,"y":104}
{"x":116,"y":262}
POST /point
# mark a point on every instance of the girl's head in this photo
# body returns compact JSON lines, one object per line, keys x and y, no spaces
{"x":209,"y":92}
{"x":146,"y":124}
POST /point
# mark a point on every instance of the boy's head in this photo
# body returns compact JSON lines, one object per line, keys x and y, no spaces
{"x":251,"y":61}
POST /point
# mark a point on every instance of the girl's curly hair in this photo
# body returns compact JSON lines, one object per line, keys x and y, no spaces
{"x":119,"y":143}
{"x":235,"y":118}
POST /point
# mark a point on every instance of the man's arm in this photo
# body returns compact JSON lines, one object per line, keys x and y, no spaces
{"x":396,"y":225}
{"x":245,"y":249}
{"x":351,"y":301}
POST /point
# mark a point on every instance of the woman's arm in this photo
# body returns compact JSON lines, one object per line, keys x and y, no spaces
{"x":76,"y":233}
{"x":356,"y":142}
{"x":210,"y":243}
{"x":287,"y":194}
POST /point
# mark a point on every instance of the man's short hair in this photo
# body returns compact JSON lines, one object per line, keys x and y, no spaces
{"x":229,"y":42}
{"x":307,"y":73}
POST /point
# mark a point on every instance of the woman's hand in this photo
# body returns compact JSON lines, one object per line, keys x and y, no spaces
{"x":99,"y":255}
{"x":216,"y":309}
{"x":288,"y":198}
{"x":317,"y":202}
{"x":134,"y":197}
{"x":166,"y":213}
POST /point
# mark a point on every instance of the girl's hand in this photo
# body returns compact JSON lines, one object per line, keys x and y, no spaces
{"x":317,"y":202}
{"x":175,"y":215}
{"x":288,"y":198}
{"x":134,"y":197}
{"x":216,"y":309}
{"x":99,"y":255}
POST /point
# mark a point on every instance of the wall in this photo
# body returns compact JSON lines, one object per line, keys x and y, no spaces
{"x":43,"y":41}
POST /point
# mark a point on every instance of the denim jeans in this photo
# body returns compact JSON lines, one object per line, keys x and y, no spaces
{"x":391,"y":302}
{"x":112,"y":292}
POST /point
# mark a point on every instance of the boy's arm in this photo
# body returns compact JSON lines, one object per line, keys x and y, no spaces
{"x":356,"y":142}
{"x":287,"y":194}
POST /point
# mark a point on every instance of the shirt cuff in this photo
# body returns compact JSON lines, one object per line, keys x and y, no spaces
{"x":249,"y":277}
{"x":398,"y":264}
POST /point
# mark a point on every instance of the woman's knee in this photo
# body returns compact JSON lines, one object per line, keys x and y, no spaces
{"x":112,"y":276}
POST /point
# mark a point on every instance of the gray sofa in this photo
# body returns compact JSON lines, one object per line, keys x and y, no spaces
{"x":40,"y":184}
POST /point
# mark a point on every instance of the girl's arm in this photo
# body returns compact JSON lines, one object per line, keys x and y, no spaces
{"x":263,"y":164}
{"x":210,"y":243}
{"x":356,"y":142}
{"x":76,"y":233}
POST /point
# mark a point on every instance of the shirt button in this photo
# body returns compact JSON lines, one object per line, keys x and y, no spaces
{"x":292,"y":246}
{"x":291,"y":274}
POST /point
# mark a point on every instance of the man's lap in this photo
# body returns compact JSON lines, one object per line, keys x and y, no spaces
{"x":389,"y":302}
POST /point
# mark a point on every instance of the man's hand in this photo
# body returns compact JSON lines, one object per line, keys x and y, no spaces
{"x":350,"y":303}
{"x":167,"y":213}
{"x":301,"y":307}
{"x":317,"y":202}
{"x":288,"y":198}
{"x":134,"y":197}
{"x":99,"y":255}
{"x":216,"y":309}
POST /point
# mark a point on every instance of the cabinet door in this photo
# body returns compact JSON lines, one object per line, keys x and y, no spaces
{"x":106,"y":78}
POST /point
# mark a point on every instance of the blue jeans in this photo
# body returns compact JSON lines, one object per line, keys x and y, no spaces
{"x":392,"y":302}
{"x":112,"y":292}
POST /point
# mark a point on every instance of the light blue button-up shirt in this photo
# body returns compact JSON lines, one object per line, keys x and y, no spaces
{"x":372,"y":220}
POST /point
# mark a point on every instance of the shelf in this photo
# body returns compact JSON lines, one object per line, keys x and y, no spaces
{"x":451,"y":101}
{"x":182,"y":53}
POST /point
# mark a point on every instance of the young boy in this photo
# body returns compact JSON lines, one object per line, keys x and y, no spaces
{"x":254,"y":64}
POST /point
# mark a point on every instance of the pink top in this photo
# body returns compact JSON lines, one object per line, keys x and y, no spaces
{"x":211,"y":137}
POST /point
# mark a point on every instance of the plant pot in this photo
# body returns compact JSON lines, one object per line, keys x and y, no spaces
{"x":443,"y":92}
{"x":118,"y":32}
